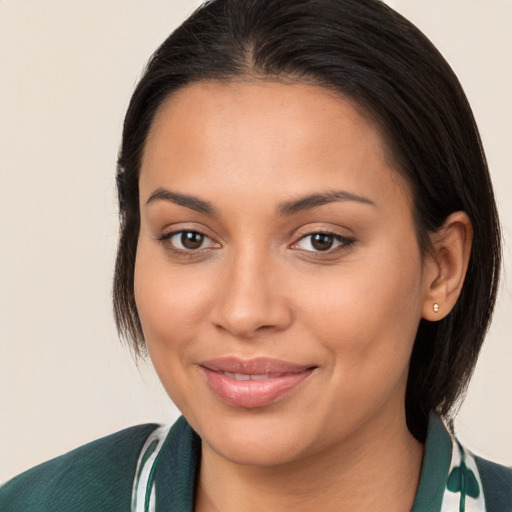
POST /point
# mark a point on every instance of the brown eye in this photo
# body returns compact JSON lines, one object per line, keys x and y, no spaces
{"x":188,"y":241}
{"x":322,"y":241}
{"x":191,"y":239}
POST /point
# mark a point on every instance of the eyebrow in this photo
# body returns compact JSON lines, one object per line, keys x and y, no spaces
{"x":194,"y":203}
{"x":287,"y":208}
{"x":316,"y":200}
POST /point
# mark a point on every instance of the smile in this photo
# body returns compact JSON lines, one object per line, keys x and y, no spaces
{"x":245,"y":376}
{"x":253,"y":383}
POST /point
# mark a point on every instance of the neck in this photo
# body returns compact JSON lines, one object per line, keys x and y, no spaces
{"x":375,"y":470}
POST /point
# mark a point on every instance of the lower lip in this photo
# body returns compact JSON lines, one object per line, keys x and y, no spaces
{"x":253,"y":393}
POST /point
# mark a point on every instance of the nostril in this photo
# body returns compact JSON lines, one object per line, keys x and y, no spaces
{"x":251,"y":304}
{"x":265,"y":327}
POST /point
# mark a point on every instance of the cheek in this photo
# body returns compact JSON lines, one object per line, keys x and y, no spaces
{"x":367,"y":314}
{"x":367,"y":322}
{"x":171,"y":306}
{"x":170,"y":303}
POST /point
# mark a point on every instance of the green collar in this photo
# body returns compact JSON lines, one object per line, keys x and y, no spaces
{"x":178,"y":468}
{"x":179,"y":462}
{"x":434,"y":471}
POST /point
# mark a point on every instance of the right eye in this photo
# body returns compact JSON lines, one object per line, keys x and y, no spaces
{"x":188,"y":240}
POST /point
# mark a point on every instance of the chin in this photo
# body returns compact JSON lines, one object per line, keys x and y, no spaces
{"x":262,"y":451}
{"x":259,"y":438}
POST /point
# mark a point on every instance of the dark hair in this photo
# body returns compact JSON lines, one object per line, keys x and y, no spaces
{"x":377,"y":59}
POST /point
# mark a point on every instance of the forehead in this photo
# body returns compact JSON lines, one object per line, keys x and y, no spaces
{"x":283,"y":101}
{"x":251,"y":132}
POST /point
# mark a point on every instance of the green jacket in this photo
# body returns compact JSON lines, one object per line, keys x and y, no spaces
{"x":100,"y":476}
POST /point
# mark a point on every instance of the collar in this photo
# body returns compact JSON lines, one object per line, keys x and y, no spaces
{"x":436,"y":464}
{"x":170,"y":460}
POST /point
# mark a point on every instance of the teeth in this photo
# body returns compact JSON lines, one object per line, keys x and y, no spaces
{"x":237,"y":376}
{"x":245,"y":376}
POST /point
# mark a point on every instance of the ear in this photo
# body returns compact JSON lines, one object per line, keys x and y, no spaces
{"x":445,"y":269}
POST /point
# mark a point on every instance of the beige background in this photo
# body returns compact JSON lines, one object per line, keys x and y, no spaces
{"x":67,"y":69}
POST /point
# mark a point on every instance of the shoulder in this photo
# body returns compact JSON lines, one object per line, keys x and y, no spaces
{"x":97,"y":476}
{"x":454,"y":478}
{"x":497,"y":485}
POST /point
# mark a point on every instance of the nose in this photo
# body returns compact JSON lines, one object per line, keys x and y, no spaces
{"x":251,"y":299}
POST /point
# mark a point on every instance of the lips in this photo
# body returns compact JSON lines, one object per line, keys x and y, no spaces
{"x":255,"y":382}
{"x":246,"y":376}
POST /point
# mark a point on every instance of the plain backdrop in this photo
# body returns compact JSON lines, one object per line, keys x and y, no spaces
{"x":67,"y":69}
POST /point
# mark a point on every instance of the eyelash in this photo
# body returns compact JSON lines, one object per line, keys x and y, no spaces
{"x":167,"y":240}
{"x":343,"y":243}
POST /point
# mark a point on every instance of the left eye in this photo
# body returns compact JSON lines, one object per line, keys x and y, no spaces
{"x":189,"y":240}
{"x":321,"y":242}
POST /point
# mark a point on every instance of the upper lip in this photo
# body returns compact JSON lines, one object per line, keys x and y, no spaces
{"x":256,"y":366}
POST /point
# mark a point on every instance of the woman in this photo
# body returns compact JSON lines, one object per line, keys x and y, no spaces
{"x":309,"y":253}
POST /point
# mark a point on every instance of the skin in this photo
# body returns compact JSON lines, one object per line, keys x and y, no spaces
{"x":257,"y":287}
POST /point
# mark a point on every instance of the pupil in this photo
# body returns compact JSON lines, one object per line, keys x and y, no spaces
{"x":191,"y":240}
{"x":322,"y":241}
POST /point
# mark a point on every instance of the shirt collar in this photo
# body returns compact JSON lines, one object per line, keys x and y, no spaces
{"x":436,"y":464}
{"x":178,"y":468}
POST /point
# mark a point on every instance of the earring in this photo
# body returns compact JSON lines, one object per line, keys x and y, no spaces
{"x":436,"y":307}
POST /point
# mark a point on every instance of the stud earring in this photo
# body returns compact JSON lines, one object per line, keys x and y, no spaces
{"x":436,"y":307}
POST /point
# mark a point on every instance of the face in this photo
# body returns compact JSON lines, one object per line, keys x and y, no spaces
{"x":278,"y":277}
